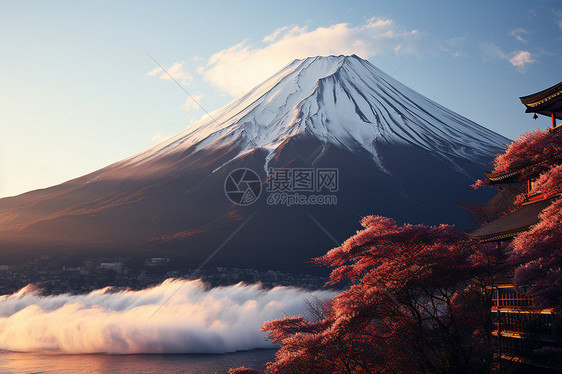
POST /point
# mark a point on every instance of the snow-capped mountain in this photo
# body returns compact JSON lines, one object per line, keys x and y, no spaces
{"x":340,"y":100}
{"x":398,"y":154}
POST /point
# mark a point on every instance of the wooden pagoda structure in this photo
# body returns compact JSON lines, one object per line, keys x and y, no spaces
{"x":546,"y":102}
{"x":522,"y":329}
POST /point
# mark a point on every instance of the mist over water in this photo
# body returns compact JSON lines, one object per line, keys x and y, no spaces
{"x":177,"y":316}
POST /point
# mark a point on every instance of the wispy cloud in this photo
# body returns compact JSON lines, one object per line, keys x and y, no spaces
{"x":192,"y":102}
{"x":519,"y":33}
{"x":557,"y":17}
{"x":519,"y":59}
{"x":158,"y":137}
{"x":176,"y":70}
{"x":283,"y":31}
{"x":455,"y":46}
{"x":253,"y":64}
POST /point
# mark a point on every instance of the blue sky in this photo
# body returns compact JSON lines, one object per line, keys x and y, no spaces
{"x":78,"y":90}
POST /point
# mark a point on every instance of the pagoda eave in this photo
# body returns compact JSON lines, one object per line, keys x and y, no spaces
{"x":507,"y":177}
{"x":512,"y":224}
{"x":547,"y":102}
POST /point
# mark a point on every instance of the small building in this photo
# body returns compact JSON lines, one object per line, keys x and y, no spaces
{"x":115,"y":266}
{"x":156,"y":261}
{"x":521,"y":328}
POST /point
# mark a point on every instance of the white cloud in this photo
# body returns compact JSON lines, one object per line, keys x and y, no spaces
{"x":242,"y":66}
{"x":531,"y":13}
{"x":519,"y":59}
{"x":190,"y":103}
{"x":158,"y":137}
{"x":176,"y":71}
{"x":286,"y":29}
{"x":492,"y":52}
{"x":455,"y":46}
{"x":154,"y":72}
{"x":518,"y":34}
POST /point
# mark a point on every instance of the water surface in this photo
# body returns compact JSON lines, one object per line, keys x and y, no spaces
{"x":17,"y":363}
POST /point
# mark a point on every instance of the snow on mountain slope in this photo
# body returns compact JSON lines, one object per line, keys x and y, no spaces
{"x":398,"y":154}
{"x":340,"y":100}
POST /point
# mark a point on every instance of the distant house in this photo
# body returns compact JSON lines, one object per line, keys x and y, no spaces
{"x":521,"y":328}
{"x":156,"y":261}
{"x":115,"y":266}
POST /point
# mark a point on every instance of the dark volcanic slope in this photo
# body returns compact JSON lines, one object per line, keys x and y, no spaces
{"x":398,"y":154}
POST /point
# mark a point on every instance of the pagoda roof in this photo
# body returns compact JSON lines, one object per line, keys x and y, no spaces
{"x":510,"y":225}
{"x":505,"y":177}
{"x":545,"y":102}
{"x":515,"y":175}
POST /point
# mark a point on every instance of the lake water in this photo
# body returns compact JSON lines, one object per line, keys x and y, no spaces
{"x":16,"y":363}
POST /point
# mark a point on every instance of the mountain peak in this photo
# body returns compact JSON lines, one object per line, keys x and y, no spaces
{"x":394,"y":153}
{"x":340,"y":100}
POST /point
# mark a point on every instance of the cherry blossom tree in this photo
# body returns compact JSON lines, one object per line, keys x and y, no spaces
{"x":537,"y":149}
{"x":420,"y":296}
{"x":550,"y":182}
{"x":537,"y":252}
{"x":414,"y":305}
{"x":537,"y":255}
{"x":533,"y":153}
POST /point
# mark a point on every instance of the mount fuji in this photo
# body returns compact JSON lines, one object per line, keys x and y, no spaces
{"x":397,"y":154}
